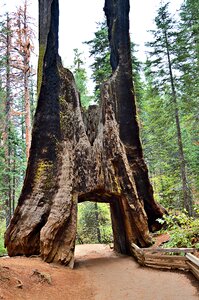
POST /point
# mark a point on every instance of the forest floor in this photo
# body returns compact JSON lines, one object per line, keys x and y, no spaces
{"x":99,"y":274}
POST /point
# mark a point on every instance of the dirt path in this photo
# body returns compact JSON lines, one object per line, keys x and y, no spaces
{"x":99,"y":274}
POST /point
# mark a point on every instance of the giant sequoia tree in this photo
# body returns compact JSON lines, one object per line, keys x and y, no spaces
{"x":72,"y":161}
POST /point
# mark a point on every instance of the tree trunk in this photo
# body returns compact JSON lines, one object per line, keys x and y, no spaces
{"x":26,"y":82}
{"x":187,"y":199}
{"x":97,"y":223}
{"x":73,"y":161}
{"x":8,"y":124}
{"x":13,"y":180}
{"x":27,"y":114}
{"x":23,"y":45}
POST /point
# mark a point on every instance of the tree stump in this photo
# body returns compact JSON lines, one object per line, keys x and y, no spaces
{"x":72,"y":160}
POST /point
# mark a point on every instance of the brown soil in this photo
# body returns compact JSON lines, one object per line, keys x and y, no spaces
{"x":160,"y":239}
{"x":99,"y":274}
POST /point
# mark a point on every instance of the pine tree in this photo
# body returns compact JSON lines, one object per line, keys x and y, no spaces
{"x":80,"y":75}
{"x":162,"y":63}
{"x":23,"y":45}
{"x":6,"y":71}
{"x":159,"y":152}
{"x":100,"y":52}
{"x":188,"y":68}
{"x":101,"y":68}
{"x":14,"y":70}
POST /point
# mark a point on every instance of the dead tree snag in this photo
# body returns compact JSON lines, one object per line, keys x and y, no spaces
{"x":71,"y":160}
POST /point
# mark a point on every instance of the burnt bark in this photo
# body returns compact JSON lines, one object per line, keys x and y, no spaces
{"x":72,"y":160}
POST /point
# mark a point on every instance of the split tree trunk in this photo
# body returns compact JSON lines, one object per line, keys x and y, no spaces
{"x":72,"y":161}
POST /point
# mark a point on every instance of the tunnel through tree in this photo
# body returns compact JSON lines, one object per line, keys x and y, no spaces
{"x":78,"y":158}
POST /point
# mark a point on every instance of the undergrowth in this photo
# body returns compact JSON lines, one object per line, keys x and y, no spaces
{"x":2,"y":230}
{"x":183,"y":230}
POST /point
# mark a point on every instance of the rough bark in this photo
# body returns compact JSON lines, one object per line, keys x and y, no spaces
{"x":27,"y":114}
{"x":72,"y":161}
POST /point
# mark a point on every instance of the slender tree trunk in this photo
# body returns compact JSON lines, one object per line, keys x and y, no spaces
{"x":97,"y":223}
{"x":27,"y":114}
{"x":26,"y":84}
{"x":14,"y":181}
{"x":8,"y":123}
{"x":187,"y":201}
{"x":32,"y":100}
{"x":162,"y":190}
{"x":22,"y":64}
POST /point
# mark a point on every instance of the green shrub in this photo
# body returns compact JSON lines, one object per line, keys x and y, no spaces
{"x":183,"y":230}
{"x":2,"y":230}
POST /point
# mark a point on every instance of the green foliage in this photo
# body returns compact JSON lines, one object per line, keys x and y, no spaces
{"x":161,"y":155}
{"x":101,"y":67}
{"x":94,"y":223}
{"x":162,"y":46}
{"x":182,"y":229}
{"x":81,"y":78}
{"x":99,"y":51}
{"x":170,"y":91}
{"x":2,"y":230}
{"x":188,"y":68}
{"x":12,"y":123}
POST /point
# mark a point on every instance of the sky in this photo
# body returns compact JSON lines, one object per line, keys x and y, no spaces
{"x":78,"y":23}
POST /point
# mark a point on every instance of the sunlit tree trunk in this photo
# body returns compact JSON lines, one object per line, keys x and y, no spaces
{"x":97,"y":223}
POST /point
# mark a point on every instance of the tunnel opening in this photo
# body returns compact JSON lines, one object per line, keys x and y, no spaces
{"x":94,"y":223}
{"x":100,"y":221}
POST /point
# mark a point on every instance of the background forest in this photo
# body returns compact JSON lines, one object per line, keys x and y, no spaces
{"x":167,"y":92}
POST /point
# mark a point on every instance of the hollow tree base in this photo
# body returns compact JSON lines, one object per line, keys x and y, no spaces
{"x":71,"y":160}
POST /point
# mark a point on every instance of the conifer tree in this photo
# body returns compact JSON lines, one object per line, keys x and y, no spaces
{"x":188,"y":68}
{"x":163,"y":65}
{"x":100,"y":52}
{"x":79,"y":72}
{"x":23,"y":45}
{"x":15,"y":50}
